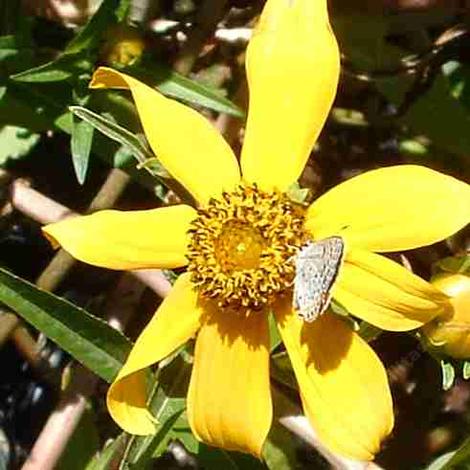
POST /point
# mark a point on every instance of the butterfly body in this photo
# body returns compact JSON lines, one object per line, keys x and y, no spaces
{"x":316,"y":268}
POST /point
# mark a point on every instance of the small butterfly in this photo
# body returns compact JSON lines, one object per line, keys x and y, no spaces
{"x":316,"y":268}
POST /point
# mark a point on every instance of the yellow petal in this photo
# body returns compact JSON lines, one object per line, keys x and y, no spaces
{"x":451,"y":333}
{"x":176,"y":320}
{"x":126,"y":240}
{"x":342,"y":383}
{"x":392,"y":209}
{"x":292,"y":68}
{"x":386,"y":294}
{"x":187,"y":145}
{"x":229,"y":400}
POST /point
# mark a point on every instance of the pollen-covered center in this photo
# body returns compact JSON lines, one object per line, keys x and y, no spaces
{"x":242,"y":244}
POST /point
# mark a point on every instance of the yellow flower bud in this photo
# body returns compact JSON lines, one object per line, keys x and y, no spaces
{"x":451,"y":334}
{"x":124,"y":45}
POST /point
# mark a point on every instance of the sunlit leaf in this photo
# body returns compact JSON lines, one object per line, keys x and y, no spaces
{"x":88,"y":339}
{"x":16,"y":142}
{"x":466,"y":370}
{"x":56,"y":70}
{"x":115,"y":132}
{"x":460,"y":458}
{"x":448,"y":375}
{"x":173,"y":84}
{"x":110,"y":455}
{"x":80,"y":146}
{"x":168,"y":407}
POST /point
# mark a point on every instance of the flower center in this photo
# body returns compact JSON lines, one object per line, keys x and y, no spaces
{"x":241,"y":247}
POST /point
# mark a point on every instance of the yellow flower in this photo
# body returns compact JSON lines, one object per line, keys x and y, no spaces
{"x":238,"y":245}
{"x":450,"y":333}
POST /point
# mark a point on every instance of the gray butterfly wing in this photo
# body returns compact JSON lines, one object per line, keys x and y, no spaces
{"x":316,"y":268}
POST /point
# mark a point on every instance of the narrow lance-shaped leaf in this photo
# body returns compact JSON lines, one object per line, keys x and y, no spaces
{"x":60,"y":69}
{"x":93,"y":30}
{"x":460,"y":459}
{"x":109,"y":455}
{"x":88,"y":339}
{"x":178,"y":86}
{"x":115,"y":132}
{"x":168,"y":405}
{"x":80,"y":146}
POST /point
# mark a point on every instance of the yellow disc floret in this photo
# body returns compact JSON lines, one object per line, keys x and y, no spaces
{"x":241,"y":246}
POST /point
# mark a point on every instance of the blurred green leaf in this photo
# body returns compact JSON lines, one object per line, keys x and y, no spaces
{"x":80,"y":146}
{"x":460,"y":459}
{"x":8,"y":47}
{"x":57,"y":70}
{"x":109,"y":456}
{"x":466,"y":370}
{"x":5,"y":451}
{"x":274,"y":336}
{"x":431,"y":112}
{"x":440,"y":462}
{"x":362,"y":39}
{"x":448,"y":374}
{"x":368,"y":332}
{"x":16,"y":142}
{"x":458,"y":74}
{"x":279,"y":450}
{"x":92,"y":32}
{"x":453,"y":264}
{"x":212,"y":458}
{"x":82,"y":445}
{"x":281,"y":370}
{"x":173,"y":84}
{"x":88,"y":339}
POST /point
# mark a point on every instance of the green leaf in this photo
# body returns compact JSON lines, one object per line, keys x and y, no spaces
{"x":5,"y":451}
{"x":460,"y":459}
{"x":281,"y":370}
{"x":80,"y":146}
{"x":110,"y":455}
{"x":428,"y":113}
{"x":466,"y":370}
{"x":297,"y":193}
{"x":57,"y":70}
{"x":368,"y":332}
{"x":274,"y":336}
{"x":173,"y":84}
{"x":279,"y":450}
{"x":115,"y":132}
{"x":213,"y":458}
{"x":8,"y":47}
{"x":88,"y":339}
{"x":16,"y":142}
{"x":448,"y":375}
{"x":440,"y":462}
{"x":92,"y":32}
{"x":168,"y":407}
{"x":453,"y":264}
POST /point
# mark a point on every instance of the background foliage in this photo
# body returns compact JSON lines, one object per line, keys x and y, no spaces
{"x":403,"y":97}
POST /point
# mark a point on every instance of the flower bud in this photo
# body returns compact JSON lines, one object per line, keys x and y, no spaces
{"x":451,"y":333}
{"x":123,"y":46}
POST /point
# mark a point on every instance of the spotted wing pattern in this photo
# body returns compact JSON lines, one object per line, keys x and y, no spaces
{"x":316,"y":268}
